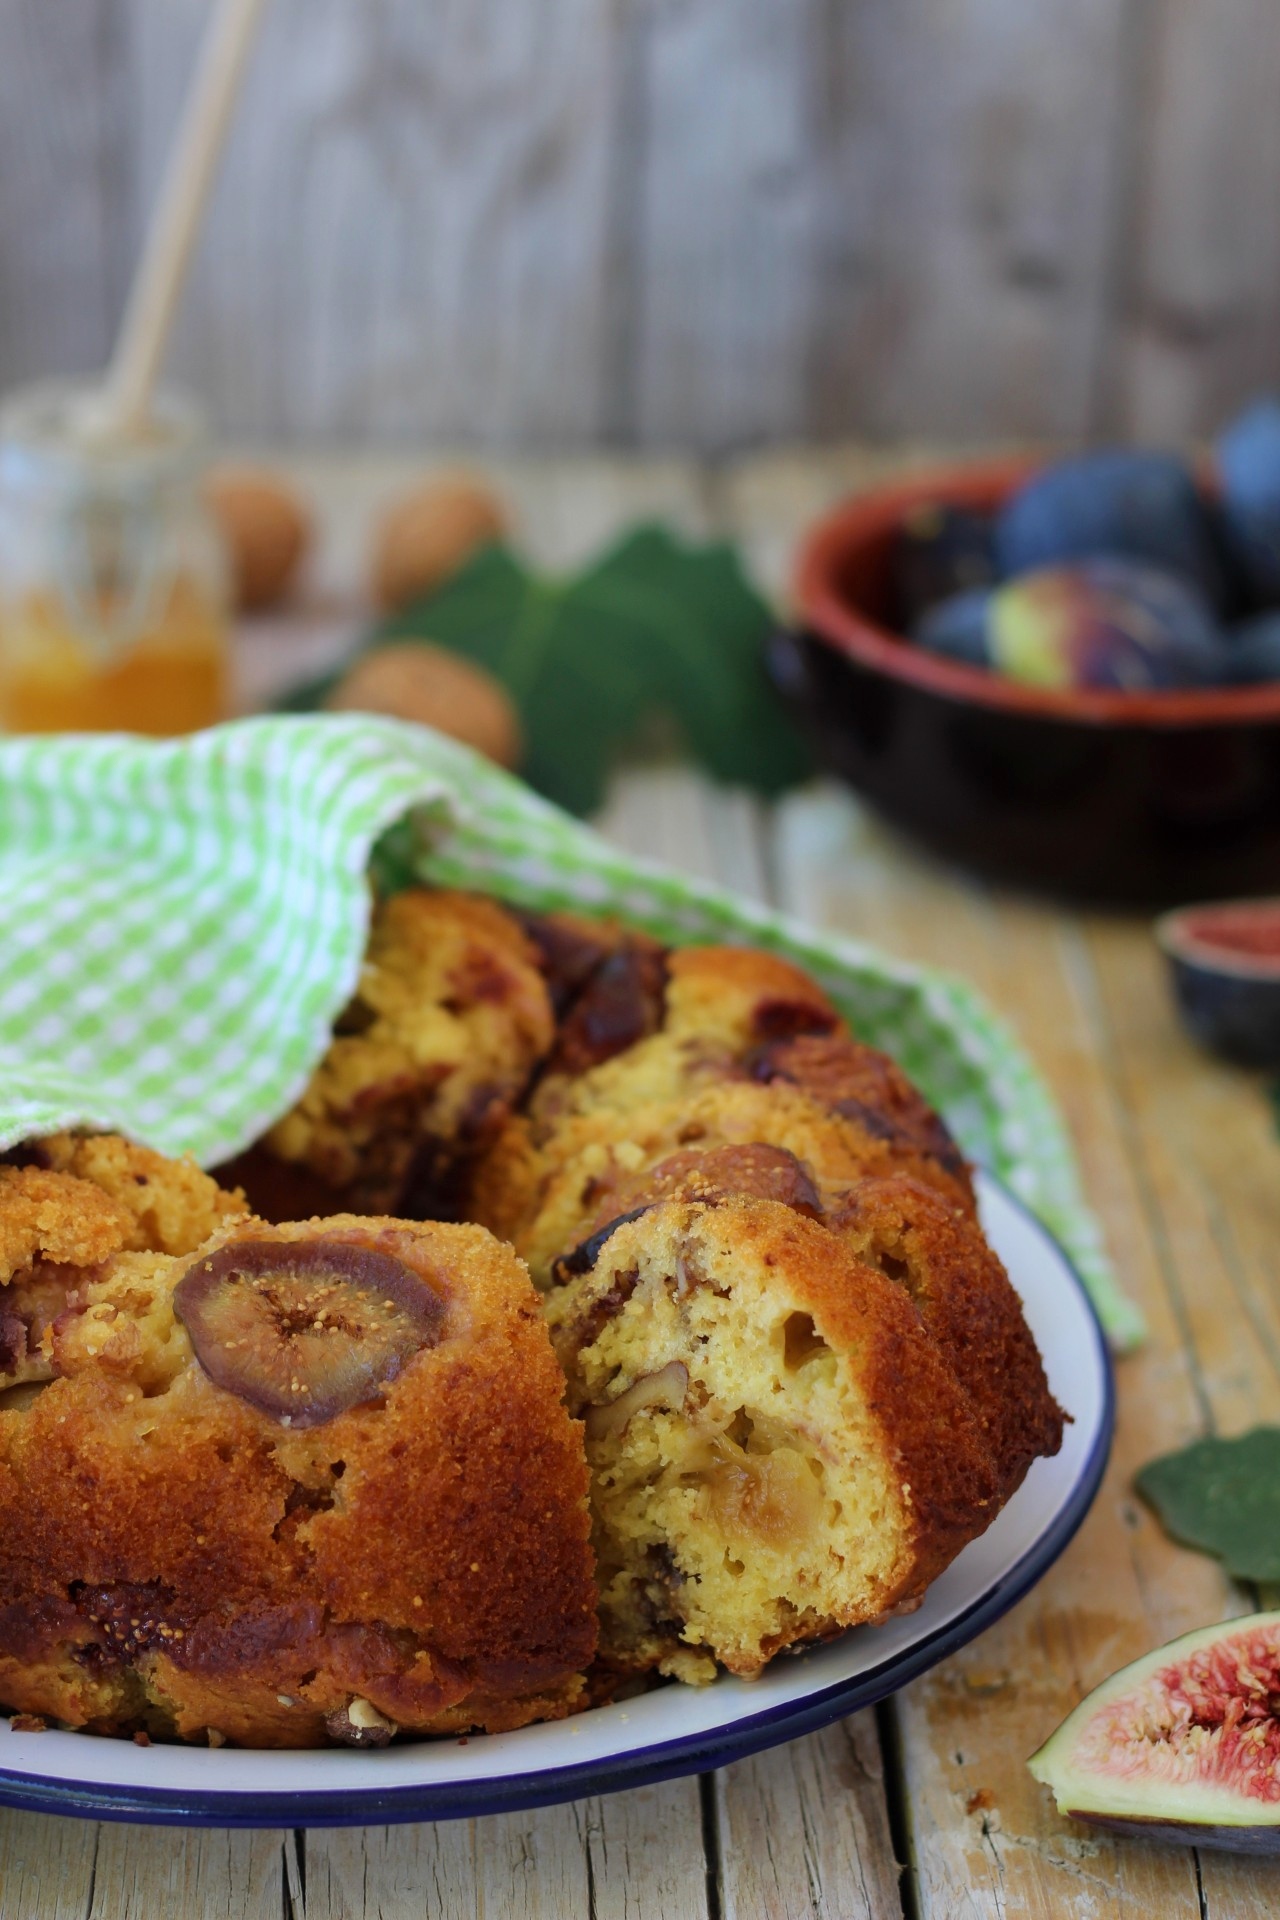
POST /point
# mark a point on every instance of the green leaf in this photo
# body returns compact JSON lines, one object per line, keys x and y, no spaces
{"x":1223,"y":1496}
{"x":652,"y":628}
{"x":706,"y":630}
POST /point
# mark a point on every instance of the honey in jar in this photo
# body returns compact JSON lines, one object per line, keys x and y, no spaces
{"x":113,"y":591}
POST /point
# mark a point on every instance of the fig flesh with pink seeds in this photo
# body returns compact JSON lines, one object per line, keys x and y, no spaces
{"x":303,"y":1330}
{"x":1182,"y":1746}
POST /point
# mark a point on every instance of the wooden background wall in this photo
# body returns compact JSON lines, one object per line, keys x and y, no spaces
{"x":705,"y":223}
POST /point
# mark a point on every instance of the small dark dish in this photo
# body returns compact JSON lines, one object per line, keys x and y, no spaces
{"x":1225,"y":963}
{"x":1113,"y":797}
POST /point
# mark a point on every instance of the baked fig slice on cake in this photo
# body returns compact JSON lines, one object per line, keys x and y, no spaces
{"x":1182,"y":1746}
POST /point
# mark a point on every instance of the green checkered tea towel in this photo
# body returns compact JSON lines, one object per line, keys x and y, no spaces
{"x":183,"y":920}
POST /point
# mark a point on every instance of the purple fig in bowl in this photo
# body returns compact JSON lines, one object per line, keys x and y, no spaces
{"x":960,"y":627}
{"x":1133,"y":502}
{"x":1182,"y":1746}
{"x":1249,"y":481}
{"x":1107,"y":622}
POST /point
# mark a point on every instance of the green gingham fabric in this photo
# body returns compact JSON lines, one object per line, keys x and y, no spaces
{"x":183,"y":920}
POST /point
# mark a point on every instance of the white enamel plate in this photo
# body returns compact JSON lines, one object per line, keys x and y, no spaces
{"x":673,"y":1730}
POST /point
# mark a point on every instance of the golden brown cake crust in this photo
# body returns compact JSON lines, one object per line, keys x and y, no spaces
{"x":44,"y":1216}
{"x":869,"y":1089}
{"x":450,"y":1018}
{"x":173,"y":1206}
{"x":175,"y":1559}
{"x":942,"y":1259}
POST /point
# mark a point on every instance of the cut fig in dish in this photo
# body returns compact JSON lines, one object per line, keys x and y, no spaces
{"x":304,"y":1329}
{"x":1182,"y":1746}
{"x":1224,"y":960}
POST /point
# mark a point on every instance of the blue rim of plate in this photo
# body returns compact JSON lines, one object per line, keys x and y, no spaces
{"x":662,"y":1760}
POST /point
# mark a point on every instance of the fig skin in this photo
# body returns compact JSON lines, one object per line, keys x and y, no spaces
{"x":1209,"y":1811}
{"x":1248,"y":461}
{"x":1131,"y":502}
{"x":292,"y":1304}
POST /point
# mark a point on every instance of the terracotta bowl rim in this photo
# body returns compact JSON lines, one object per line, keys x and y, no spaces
{"x":830,"y":616}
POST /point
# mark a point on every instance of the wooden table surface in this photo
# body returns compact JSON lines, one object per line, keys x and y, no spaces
{"x":922,"y":1807}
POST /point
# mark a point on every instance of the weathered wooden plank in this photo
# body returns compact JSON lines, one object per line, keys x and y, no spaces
{"x":530,"y":1865}
{"x":61,"y":111}
{"x":997,"y":137}
{"x":1199,"y":272}
{"x":46,"y":1866}
{"x":670,"y":813}
{"x":896,"y":220}
{"x":804,"y":1830}
{"x":707,"y":225}
{"x":647,"y":1855}
{"x":726,"y":225}
{"x":633,"y":1856}
{"x":410,"y":234}
{"x":1205,"y":1143}
{"x":205,"y":1873}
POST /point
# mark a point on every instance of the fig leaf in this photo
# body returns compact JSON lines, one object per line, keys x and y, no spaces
{"x":1222,"y":1496}
{"x":655,"y":631}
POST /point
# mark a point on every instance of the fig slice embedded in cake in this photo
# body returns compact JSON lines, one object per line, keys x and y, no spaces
{"x":305,"y":1329}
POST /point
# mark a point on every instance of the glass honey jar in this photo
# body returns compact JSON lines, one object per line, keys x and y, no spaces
{"x":113,"y":583}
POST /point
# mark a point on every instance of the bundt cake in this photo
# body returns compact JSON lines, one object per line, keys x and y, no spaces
{"x":289,"y":1483}
{"x":294,"y":1485}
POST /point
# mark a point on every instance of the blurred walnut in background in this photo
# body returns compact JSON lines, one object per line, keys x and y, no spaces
{"x":412,"y":680}
{"x":429,"y":533}
{"x":267,"y":531}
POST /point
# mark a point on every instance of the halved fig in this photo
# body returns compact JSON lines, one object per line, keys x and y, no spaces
{"x":304,"y":1329}
{"x":1182,"y":1746}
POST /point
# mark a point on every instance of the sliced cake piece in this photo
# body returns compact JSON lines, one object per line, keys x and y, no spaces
{"x":779,"y":1445}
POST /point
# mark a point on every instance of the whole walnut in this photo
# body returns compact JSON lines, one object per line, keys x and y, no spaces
{"x":413,"y":680}
{"x":266,"y":529}
{"x":428,"y":534}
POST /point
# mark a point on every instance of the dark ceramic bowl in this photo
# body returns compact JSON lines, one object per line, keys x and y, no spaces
{"x":1225,"y":963}
{"x":1113,"y":797}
